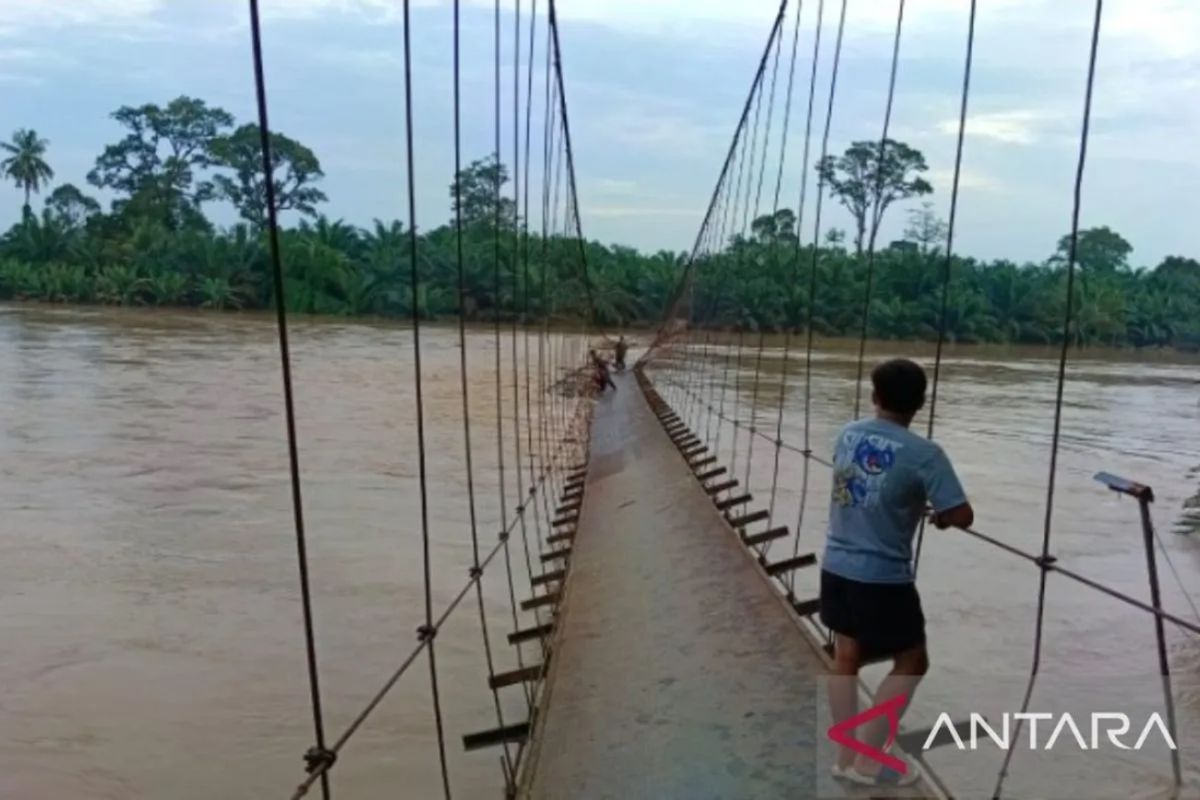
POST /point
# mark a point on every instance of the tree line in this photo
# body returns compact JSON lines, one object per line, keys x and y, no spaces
{"x":154,"y":245}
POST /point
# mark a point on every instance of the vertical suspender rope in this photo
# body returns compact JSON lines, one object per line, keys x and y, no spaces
{"x":496,"y":299}
{"x":874,"y":221}
{"x":1046,"y":559}
{"x":795,"y":271}
{"x":948,"y":265}
{"x":812,"y":292}
{"x":774,"y":246}
{"x":319,"y":753}
{"x":427,"y":630}
{"x":476,"y":570}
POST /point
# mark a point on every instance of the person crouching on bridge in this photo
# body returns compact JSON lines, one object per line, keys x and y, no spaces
{"x":884,"y":475}
{"x":601,"y":377}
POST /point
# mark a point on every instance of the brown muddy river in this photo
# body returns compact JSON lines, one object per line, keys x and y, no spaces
{"x":150,"y":634}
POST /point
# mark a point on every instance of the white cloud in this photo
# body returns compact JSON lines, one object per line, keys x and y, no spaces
{"x":1018,"y":126}
{"x":640,"y":211}
{"x":16,"y":15}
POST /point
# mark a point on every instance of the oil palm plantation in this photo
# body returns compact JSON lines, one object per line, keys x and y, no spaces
{"x":25,"y":163}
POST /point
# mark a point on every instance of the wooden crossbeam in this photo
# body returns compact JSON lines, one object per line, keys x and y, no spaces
{"x":712,"y":473}
{"x":574,"y":506}
{"x":565,"y":536}
{"x":694,"y":450}
{"x":548,"y":599}
{"x":806,"y":608}
{"x":509,"y":733}
{"x":512,"y":677}
{"x":555,"y":554}
{"x":723,"y":486}
{"x":754,"y":516}
{"x":730,"y":502}
{"x":569,"y":520}
{"x":529,"y":634}
{"x":702,"y":462}
{"x":549,"y":577}
{"x":787,"y":565}
{"x":766,"y":536}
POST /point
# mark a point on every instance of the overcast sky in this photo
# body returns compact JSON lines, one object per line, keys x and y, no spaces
{"x":654,"y":88}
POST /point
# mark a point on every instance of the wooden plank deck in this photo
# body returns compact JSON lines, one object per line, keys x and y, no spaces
{"x":678,"y":671}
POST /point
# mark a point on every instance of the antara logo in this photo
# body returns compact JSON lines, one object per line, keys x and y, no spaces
{"x":891,"y":709}
{"x":1114,"y":725}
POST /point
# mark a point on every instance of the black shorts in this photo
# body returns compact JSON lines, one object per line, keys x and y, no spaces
{"x":884,"y":618}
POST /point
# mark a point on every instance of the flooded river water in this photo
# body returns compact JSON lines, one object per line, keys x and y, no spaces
{"x":150,"y":638}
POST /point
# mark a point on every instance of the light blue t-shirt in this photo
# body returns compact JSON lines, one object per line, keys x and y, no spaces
{"x":883,"y":476}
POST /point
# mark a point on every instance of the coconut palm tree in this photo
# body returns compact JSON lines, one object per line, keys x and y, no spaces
{"x":25,"y":165}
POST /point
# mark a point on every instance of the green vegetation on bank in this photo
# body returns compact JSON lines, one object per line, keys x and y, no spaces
{"x":154,"y":245}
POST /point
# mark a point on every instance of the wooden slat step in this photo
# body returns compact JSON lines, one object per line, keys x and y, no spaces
{"x":549,"y":577}
{"x":694,"y":450}
{"x":568,"y":520}
{"x":577,"y":476}
{"x":723,"y":486}
{"x":765,"y":536}
{"x":686,"y":439}
{"x":578,"y":467}
{"x":548,"y":599}
{"x":806,"y":608}
{"x":565,"y":536}
{"x":730,"y":502}
{"x":710,"y":474}
{"x":753,"y":516}
{"x":530,"y":634}
{"x":702,"y":462}
{"x":509,"y":733}
{"x":572,"y":494}
{"x":563,"y":509}
{"x":556,"y":554}
{"x":571,"y":486}
{"x":521,"y":675}
{"x":787,"y":565}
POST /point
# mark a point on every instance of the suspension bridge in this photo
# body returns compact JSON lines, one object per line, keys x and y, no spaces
{"x":658,"y":610}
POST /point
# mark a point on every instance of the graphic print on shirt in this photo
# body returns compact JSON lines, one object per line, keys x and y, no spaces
{"x":861,"y":465}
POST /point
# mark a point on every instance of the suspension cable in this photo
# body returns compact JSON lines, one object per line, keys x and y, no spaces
{"x":319,"y":753}
{"x":812,"y":286}
{"x":1068,"y":318}
{"x":948,"y":264}
{"x":476,"y":569}
{"x":877,"y":210}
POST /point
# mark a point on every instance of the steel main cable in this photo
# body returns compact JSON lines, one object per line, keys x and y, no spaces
{"x":320,"y":752}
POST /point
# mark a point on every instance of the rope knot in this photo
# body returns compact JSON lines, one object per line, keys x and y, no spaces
{"x":504,"y":536}
{"x":475,"y":573}
{"x":1045,"y":562}
{"x":317,"y":757}
{"x":426,"y":633}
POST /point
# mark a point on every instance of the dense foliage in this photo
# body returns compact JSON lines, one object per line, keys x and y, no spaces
{"x":156,"y":246}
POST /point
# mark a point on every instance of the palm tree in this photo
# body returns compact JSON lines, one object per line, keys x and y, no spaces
{"x":25,"y":165}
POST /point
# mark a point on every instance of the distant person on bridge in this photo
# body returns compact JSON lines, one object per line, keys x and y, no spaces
{"x":600,"y":374}
{"x":620,"y":349}
{"x":883,"y":477}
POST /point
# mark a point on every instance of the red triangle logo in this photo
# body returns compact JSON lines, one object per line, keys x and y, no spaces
{"x":840,"y":732}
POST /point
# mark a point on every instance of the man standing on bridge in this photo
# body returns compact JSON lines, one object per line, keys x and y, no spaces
{"x":883,"y":477}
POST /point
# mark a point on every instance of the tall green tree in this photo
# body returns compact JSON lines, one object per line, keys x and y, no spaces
{"x":294,"y":169}
{"x":478,"y":184}
{"x":1099,"y":250}
{"x":154,"y":166}
{"x":867,"y":179}
{"x":71,"y":207}
{"x":26,"y":164}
